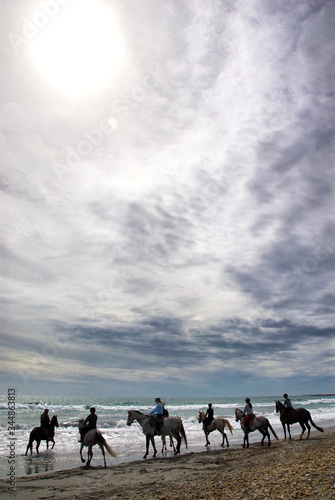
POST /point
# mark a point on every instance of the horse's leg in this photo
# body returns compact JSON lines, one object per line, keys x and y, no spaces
{"x":81,"y":452}
{"x":268,"y":436}
{"x":263,"y":434}
{"x":30,"y":446}
{"x":172,"y":444}
{"x":47,"y":444}
{"x":246,"y":440}
{"x":284,"y":428}
{"x":147,"y":441}
{"x":89,"y":456}
{"x":53,"y":441}
{"x":303,"y":429}
{"x":38,"y":442}
{"x":177,"y":451}
{"x":225,"y":436}
{"x":103,"y":453}
{"x":207,"y":442}
{"x":154,"y":446}
{"x":308,"y":429}
{"x":163,"y":443}
{"x":289,"y":431}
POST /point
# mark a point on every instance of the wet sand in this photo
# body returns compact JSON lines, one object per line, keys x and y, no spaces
{"x":286,"y":470}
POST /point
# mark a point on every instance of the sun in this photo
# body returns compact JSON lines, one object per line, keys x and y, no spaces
{"x":80,"y":49}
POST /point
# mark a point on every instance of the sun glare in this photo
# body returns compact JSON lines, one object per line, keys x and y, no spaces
{"x":80,"y":49}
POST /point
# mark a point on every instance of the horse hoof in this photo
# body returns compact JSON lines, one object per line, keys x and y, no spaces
{"x":83,"y":460}
{"x":144,"y":456}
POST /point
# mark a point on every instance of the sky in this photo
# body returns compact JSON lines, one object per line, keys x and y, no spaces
{"x":167,"y":213}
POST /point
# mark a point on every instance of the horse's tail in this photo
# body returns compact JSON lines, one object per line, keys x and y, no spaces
{"x":228,"y":424}
{"x":273,"y":432}
{"x":106,"y":445}
{"x":183,"y":434}
{"x":314,"y":425}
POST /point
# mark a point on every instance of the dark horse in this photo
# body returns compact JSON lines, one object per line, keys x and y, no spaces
{"x":300,"y":415}
{"x":38,"y":434}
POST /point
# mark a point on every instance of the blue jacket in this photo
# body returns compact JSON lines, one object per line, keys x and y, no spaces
{"x":158,"y":410}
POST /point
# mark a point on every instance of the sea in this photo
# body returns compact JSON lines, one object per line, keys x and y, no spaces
{"x":127,"y":441}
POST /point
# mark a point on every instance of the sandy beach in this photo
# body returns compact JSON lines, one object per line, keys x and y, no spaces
{"x":286,"y":470}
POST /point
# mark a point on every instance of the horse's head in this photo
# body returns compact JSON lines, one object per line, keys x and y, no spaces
{"x":279,"y":406}
{"x":130,"y":418}
{"x":238,"y":414}
{"x":201,"y":416}
{"x":54,"y":421}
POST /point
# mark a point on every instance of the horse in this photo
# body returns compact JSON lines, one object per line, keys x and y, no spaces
{"x":171,"y":444}
{"x":172,"y":426}
{"x":90,"y":439}
{"x":300,"y":415}
{"x":218,"y":424}
{"x":260,"y":423}
{"x":39,"y":434}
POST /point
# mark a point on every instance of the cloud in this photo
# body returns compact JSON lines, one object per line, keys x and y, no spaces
{"x":179,"y":222}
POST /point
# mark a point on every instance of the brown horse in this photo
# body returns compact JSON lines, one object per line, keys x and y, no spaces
{"x":300,"y":415}
{"x":38,"y":434}
{"x":217,"y":424}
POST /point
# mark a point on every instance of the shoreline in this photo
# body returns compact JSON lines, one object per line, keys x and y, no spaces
{"x":221,"y":473}
{"x":51,"y":461}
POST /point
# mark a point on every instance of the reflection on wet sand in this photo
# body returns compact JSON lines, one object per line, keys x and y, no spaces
{"x":44,"y":462}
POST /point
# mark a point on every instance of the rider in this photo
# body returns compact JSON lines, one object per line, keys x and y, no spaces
{"x":209,"y":416}
{"x":157,"y":415}
{"x":165,"y":411}
{"x":89,"y":424}
{"x":287,"y":408}
{"x":248,"y":413}
{"x":45,"y":422}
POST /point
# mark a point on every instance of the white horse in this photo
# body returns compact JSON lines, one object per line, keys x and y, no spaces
{"x":218,"y":424}
{"x":90,"y":439}
{"x":172,"y":426}
{"x":259,"y":423}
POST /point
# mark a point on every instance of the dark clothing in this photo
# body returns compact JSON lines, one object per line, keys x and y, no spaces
{"x":45,"y":424}
{"x":157,"y":421}
{"x":209,"y":417}
{"x":45,"y":420}
{"x":90,"y":423}
{"x":165,"y":413}
{"x":287,"y":409}
{"x":287,"y":414}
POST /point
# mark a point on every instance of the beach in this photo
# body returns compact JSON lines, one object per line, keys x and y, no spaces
{"x":286,"y":470}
